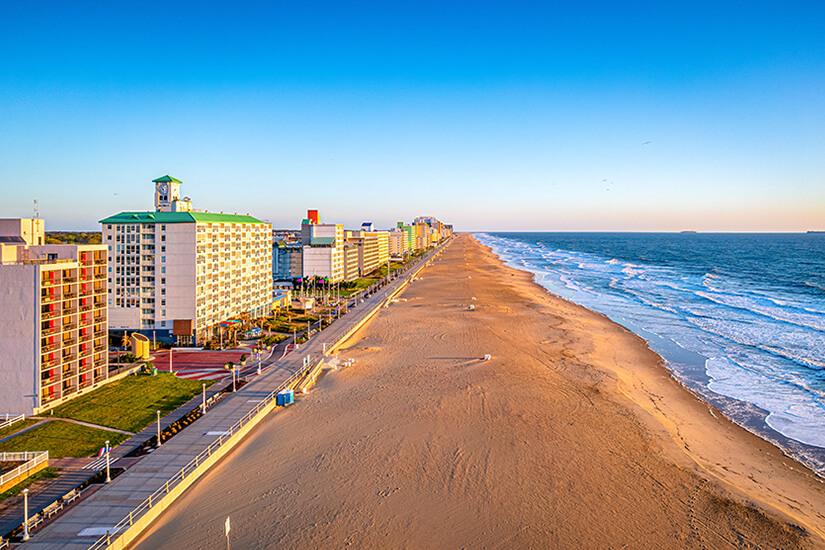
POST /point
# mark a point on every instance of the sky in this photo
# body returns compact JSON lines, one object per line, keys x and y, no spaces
{"x":557,"y":116}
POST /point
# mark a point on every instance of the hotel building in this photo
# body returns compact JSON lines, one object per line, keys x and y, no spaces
{"x":53,"y":317}
{"x":323,"y":248}
{"x":177,"y":272}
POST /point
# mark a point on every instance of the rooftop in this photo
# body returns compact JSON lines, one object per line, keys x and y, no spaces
{"x":179,"y":217}
{"x":166,"y":179}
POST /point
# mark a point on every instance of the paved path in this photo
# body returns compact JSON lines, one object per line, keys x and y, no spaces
{"x":110,"y":504}
{"x":81,"y":423}
{"x":24,"y":430}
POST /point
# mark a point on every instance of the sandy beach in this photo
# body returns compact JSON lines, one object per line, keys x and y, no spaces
{"x":572,"y":435}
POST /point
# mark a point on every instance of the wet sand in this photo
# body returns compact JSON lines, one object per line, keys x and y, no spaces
{"x":573,"y":435}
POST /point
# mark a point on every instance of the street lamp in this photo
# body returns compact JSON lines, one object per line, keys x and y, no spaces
{"x":159,"y":442}
{"x":203,"y":400}
{"x":108,"y":475}
{"x":25,"y":515}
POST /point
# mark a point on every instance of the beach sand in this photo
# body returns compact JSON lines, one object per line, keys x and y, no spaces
{"x":573,"y":435}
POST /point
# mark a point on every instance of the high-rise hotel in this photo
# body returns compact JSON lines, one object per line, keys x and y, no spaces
{"x":176,"y":273}
{"x":52,"y":318}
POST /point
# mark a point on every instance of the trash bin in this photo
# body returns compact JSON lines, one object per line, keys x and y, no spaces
{"x":154,"y":371}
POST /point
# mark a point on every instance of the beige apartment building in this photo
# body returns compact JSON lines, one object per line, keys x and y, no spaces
{"x":177,"y":273}
{"x":53,"y":318}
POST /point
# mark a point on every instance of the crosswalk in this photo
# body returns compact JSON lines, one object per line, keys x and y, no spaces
{"x":99,"y":463}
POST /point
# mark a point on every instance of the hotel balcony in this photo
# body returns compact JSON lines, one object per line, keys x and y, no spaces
{"x":69,"y":357}
{"x":100,"y":333}
{"x":50,"y":314}
{"x":68,"y":326}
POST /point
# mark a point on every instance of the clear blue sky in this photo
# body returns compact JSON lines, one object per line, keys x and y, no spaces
{"x":532,"y":115}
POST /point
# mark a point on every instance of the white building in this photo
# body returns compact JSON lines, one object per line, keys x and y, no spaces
{"x":52,"y":320}
{"x":177,"y":273}
{"x":323,"y":250}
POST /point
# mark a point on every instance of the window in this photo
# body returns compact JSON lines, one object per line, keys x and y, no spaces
{"x":163,"y":258}
{"x":163,"y":248}
{"x":163,"y":270}
{"x":163,"y":302}
{"x":164,"y":313}
{"x":163,"y":280}
{"x":163,"y":228}
{"x":109,"y":238}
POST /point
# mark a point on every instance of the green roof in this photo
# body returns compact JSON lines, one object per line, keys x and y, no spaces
{"x":178,"y":217}
{"x":166,"y":179}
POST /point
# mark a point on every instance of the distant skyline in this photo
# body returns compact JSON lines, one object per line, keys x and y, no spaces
{"x":492,"y":116}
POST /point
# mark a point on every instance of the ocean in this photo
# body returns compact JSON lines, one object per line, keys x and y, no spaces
{"x":738,"y":318}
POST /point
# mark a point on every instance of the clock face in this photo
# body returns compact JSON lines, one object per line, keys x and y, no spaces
{"x":163,"y":188}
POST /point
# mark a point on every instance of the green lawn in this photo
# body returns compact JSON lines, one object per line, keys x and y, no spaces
{"x":16,"y":427}
{"x":131,"y":403}
{"x":360,"y":284}
{"x":62,"y":439}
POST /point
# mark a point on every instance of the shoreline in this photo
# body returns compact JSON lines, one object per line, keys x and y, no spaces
{"x":746,"y":415}
{"x":573,"y":434}
{"x":700,"y":400}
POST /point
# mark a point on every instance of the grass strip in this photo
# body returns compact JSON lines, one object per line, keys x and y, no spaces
{"x":16,"y":427}
{"x":62,"y":439}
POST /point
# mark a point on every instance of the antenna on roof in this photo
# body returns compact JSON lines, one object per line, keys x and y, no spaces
{"x":36,"y":210}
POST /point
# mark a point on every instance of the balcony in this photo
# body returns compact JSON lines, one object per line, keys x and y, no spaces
{"x":100,"y":262}
{"x":100,"y":333}
{"x":69,"y":357}
{"x":100,"y":275}
{"x":49,"y":346}
{"x":86,"y":307}
{"x":50,"y":314}
{"x":68,"y":326}
{"x":86,"y":291}
{"x":99,"y":348}
{"x":47,"y":298}
{"x":49,"y":330}
{"x":69,"y":295}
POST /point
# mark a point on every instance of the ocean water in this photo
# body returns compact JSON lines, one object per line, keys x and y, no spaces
{"x":738,"y":318}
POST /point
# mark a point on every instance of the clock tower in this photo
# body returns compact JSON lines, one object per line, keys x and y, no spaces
{"x":167,"y":192}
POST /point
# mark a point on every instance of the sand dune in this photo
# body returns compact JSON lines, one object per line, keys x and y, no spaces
{"x":571,"y":436}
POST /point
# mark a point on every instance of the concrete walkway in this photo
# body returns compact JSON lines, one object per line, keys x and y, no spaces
{"x":81,"y":423}
{"x":83,"y":524}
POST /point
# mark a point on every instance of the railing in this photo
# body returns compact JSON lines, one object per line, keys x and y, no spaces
{"x":9,"y":419}
{"x":29,"y":459}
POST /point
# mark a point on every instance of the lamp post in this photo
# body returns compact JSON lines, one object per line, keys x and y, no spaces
{"x":108,"y":474}
{"x":260,"y":353}
{"x":25,"y":515}
{"x":203,"y":399}
{"x":159,"y":442}
{"x":170,"y":360}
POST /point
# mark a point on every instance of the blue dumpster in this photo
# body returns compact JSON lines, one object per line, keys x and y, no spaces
{"x":284,"y":397}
